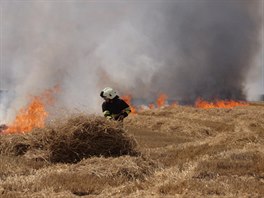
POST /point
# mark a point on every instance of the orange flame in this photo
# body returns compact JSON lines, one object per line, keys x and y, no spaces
{"x":151,"y":106}
{"x":161,"y":100}
{"x":174,"y":104}
{"x":200,"y":103}
{"x":28,"y":118}
{"x":34,"y":115}
{"x":127,"y":99}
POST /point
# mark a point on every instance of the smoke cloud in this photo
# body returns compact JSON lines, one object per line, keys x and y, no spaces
{"x":211,"y":48}
{"x":186,"y":49}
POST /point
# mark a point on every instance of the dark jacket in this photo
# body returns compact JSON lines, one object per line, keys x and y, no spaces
{"x":116,"y":109}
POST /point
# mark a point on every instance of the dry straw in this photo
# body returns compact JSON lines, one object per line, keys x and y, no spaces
{"x":70,"y":141}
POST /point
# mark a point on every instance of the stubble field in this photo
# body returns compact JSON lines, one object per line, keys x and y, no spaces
{"x":168,"y":152}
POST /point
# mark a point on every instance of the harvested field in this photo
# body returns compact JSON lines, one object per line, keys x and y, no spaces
{"x":168,"y":152}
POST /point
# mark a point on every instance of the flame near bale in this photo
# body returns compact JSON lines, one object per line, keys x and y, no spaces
{"x":71,"y":141}
{"x":34,"y":114}
{"x":127,"y":99}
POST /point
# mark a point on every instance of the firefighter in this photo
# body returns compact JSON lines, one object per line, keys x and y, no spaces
{"x":114,"y":108}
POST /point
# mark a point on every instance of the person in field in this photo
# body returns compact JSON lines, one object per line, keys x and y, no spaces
{"x":114,"y":108}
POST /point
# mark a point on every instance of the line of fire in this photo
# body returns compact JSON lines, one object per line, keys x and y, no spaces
{"x":35,"y":114}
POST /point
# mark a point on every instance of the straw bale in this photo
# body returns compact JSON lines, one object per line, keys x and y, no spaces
{"x":72,"y":140}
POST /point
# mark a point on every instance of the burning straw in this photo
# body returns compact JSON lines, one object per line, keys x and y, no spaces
{"x":77,"y":138}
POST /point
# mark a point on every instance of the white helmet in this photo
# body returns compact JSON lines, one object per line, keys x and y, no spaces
{"x":108,"y":93}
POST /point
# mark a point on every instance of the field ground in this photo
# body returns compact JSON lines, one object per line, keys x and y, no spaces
{"x":185,"y":152}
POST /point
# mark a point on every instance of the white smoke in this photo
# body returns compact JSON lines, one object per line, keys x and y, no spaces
{"x":83,"y":46}
{"x":68,"y":43}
